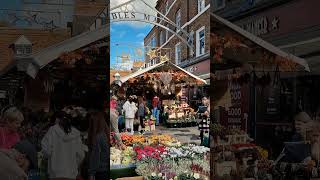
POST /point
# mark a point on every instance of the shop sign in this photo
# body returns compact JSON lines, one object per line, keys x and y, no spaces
{"x":237,"y":114}
{"x":200,"y":68}
{"x":261,"y":26}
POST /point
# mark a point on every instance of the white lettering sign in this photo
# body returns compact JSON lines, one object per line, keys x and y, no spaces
{"x":132,"y":16}
{"x":261,"y":26}
{"x":257,"y":27}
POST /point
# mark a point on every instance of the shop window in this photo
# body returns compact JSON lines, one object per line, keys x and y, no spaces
{"x":219,"y":4}
{"x":201,"y":5}
{"x":178,"y":19}
{"x":200,"y":41}
{"x":178,"y":53}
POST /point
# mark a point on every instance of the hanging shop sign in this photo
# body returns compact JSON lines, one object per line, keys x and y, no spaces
{"x":200,"y":68}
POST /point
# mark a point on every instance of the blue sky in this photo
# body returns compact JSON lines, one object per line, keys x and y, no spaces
{"x":129,"y":37}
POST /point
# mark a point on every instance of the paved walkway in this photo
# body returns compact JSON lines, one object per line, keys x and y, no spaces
{"x":184,"y":135}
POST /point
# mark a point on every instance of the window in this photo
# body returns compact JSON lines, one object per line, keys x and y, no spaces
{"x":178,"y":53}
{"x":166,"y":7}
{"x":201,"y":5}
{"x":104,"y":20}
{"x":161,"y":38}
{"x":219,"y":4}
{"x":98,"y":23}
{"x":153,"y":41}
{"x":200,"y":41}
{"x":23,"y":49}
{"x":178,"y":18}
{"x":19,"y":50}
{"x":167,"y":33}
{"x":148,"y":47}
{"x":153,"y":62}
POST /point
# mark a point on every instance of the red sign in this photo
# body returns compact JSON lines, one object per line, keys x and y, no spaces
{"x":200,"y":68}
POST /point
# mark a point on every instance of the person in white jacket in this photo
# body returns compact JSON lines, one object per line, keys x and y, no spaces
{"x":64,"y":149}
{"x":130,"y":109}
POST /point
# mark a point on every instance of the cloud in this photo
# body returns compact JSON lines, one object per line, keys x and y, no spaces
{"x":141,"y":35}
{"x":137,"y":6}
{"x":122,"y":34}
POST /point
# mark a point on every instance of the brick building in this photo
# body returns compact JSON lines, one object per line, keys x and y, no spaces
{"x":193,"y":17}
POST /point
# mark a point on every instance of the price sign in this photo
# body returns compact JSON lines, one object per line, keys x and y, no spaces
{"x":237,"y":114}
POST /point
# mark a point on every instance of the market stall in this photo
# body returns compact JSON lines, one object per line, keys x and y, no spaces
{"x":167,"y":82}
{"x":159,"y":157}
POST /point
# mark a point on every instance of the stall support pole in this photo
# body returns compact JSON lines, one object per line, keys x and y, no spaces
{"x":253,"y":110}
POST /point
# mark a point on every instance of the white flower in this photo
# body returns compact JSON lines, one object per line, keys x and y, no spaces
{"x":160,"y":174}
{"x":153,"y":174}
{"x":196,"y":175}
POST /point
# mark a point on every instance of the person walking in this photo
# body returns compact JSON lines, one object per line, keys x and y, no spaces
{"x":98,"y":146}
{"x":141,"y":113}
{"x":64,"y":149}
{"x":9,"y":136}
{"x":204,"y":124}
{"x":114,"y":121}
{"x":130,"y":110}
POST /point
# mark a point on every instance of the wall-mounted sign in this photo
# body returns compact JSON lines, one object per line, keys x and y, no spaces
{"x":260,"y":26}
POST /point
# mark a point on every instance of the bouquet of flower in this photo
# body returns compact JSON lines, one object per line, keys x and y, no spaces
{"x":138,"y":139}
{"x":126,"y":139}
{"x":148,"y":152}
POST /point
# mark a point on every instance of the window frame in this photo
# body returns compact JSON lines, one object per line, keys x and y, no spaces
{"x":161,"y":38}
{"x":198,"y":45}
{"x":178,"y":60}
{"x":178,"y":17}
{"x":200,"y":7}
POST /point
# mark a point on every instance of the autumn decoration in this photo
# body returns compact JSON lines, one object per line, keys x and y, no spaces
{"x":227,"y":41}
{"x":71,"y":58}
